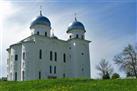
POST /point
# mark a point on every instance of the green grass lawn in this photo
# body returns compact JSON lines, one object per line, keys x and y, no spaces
{"x":70,"y":85}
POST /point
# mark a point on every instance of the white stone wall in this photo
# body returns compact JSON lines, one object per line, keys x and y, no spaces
{"x":80,"y":60}
{"x":54,"y":45}
{"x":14,"y":66}
{"x":32,"y":64}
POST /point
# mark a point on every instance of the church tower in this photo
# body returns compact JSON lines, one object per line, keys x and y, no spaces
{"x":79,"y":50}
{"x":76,"y":30}
{"x":41,"y":26}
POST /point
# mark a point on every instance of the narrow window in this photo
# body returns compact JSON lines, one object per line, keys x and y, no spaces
{"x":76,"y":35}
{"x":15,"y":76}
{"x":82,"y":53}
{"x":10,"y":75}
{"x":16,"y":57}
{"x":55,"y":56}
{"x":51,"y":55}
{"x":38,"y":33}
{"x":45,"y":33}
{"x":40,"y":54}
{"x":23,"y":55}
{"x":82,"y":69}
{"x":64,"y":75}
{"x":64,"y":58}
{"x":70,"y":36}
{"x":50,"y":69}
{"x":39,"y":75}
{"x":70,"y":56}
{"x":23,"y":75}
{"x":54,"y":69}
{"x":82,"y":36}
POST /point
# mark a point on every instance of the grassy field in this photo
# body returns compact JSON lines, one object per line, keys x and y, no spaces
{"x":70,"y":85}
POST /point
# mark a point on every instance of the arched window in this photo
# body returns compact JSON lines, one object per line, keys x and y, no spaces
{"x":40,"y":54}
{"x":55,"y":56}
{"x":64,"y":58}
{"x":82,"y":36}
{"x":23,"y":55}
{"x":70,"y":36}
{"x":76,"y":35}
{"x":64,"y":75}
{"x":45,"y":33}
{"x":39,"y":75}
{"x":38,"y":33}
{"x":51,"y":55}
{"x":82,"y":69}
{"x":54,"y":69}
{"x":50,"y":69}
{"x":10,"y":75}
{"x":15,"y":76}
{"x":23,"y":75}
{"x":82,"y":53}
{"x":16,"y":57}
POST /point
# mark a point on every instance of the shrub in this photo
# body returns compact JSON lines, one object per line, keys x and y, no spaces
{"x":115,"y":76}
{"x":106,"y":76}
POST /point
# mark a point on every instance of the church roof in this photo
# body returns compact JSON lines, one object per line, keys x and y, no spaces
{"x":41,"y":20}
{"x":76,"y":25}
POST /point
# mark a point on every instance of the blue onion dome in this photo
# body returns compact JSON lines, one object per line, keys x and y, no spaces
{"x":76,"y":25}
{"x":41,"y":20}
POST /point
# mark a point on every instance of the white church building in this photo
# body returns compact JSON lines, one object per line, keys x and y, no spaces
{"x":42,"y":55}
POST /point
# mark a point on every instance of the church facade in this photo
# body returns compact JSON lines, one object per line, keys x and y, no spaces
{"x":42,"y":55}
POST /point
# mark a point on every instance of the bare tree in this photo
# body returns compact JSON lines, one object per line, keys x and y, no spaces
{"x":127,"y":60}
{"x":105,"y":69}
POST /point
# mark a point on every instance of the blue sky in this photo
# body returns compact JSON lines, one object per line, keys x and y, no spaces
{"x":110,"y":25}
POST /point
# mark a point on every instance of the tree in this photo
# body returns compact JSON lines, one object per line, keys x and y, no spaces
{"x":105,"y":69}
{"x":115,"y":76}
{"x":127,"y":60}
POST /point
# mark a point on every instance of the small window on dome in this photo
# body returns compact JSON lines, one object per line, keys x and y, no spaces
{"x":82,"y":36}
{"x":16,"y":57}
{"x":37,"y":33}
{"x":76,"y":35}
{"x":45,"y":33}
{"x":70,"y":36}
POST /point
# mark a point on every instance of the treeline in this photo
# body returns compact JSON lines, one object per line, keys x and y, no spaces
{"x":126,"y":61}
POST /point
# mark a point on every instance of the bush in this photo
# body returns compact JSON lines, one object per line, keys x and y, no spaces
{"x":115,"y":76}
{"x":106,"y":76}
{"x":3,"y":79}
